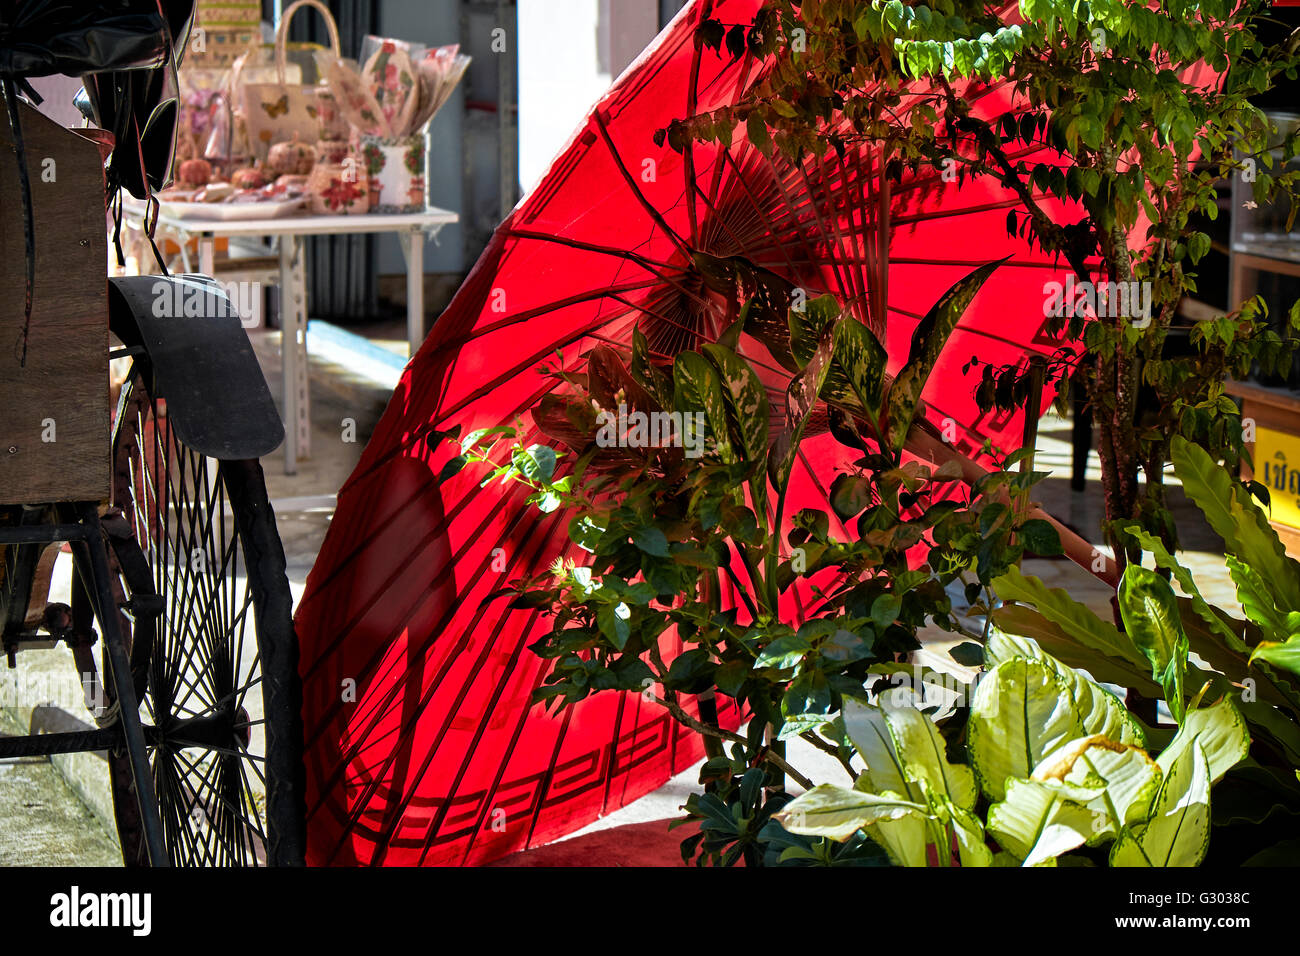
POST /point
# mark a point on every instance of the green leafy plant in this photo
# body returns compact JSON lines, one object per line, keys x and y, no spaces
{"x":1056,"y":765}
{"x":1175,"y":646}
{"x":1128,"y":116}
{"x":683,"y":513}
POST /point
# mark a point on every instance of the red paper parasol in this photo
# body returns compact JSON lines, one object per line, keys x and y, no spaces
{"x":422,"y":746}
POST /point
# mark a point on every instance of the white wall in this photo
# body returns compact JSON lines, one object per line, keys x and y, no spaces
{"x":570,"y":51}
{"x":560,"y":77}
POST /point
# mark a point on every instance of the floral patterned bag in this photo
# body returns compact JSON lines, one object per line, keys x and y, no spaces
{"x":278,"y":111}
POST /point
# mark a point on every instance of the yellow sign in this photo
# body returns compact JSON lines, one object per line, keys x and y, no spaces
{"x":1277,"y":467}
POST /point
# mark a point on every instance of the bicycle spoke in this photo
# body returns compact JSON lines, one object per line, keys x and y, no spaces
{"x":206,"y":662}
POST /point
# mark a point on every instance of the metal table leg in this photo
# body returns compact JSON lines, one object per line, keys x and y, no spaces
{"x":293,"y":352}
{"x":207,"y":254}
{"x":413,"y":252}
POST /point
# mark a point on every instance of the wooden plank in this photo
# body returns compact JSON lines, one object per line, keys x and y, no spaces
{"x":54,"y":412}
{"x":1283,"y":399}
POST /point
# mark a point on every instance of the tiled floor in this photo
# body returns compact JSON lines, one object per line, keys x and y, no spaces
{"x":304,"y":503}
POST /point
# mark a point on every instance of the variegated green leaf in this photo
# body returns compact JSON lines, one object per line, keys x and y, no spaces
{"x":904,"y":837}
{"x":1023,"y":623}
{"x":861,"y":359}
{"x":1098,"y":710}
{"x":1179,"y":829}
{"x":1126,"y":777}
{"x":746,"y":401}
{"x":697,"y":388}
{"x":648,"y":375}
{"x":1150,"y":612}
{"x":801,"y":398}
{"x":1220,"y":729}
{"x":837,"y":812}
{"x":1040,"y":820}
{"x":809,"y":324}
{"x":1021,"y":712}
{"x":901,"y":746}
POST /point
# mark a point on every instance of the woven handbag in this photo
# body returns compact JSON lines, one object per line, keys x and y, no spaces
{"x":285,"y":107}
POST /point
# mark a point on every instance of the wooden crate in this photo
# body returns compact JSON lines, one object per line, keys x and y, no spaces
{"x":54,"y":411}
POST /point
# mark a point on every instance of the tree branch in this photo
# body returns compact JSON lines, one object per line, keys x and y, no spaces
{"x":767,"y":753}
{"x":833,"y":751}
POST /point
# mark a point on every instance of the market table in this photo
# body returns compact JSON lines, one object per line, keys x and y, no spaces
{"x":289,"y":231}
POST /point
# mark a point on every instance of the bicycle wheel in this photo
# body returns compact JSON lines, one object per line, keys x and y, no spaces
{"x":221,"y":689}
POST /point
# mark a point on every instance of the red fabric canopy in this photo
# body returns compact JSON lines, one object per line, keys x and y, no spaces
{"x":437,"y":756}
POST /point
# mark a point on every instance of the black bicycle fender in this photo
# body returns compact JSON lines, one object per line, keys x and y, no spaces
{"x":203,"y":364}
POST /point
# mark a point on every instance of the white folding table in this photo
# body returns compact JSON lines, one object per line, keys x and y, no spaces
{"x":289,"y":231}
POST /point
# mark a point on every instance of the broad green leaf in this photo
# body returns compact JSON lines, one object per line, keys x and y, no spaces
{"x":1098,"y":710}
{"x":928,"y":340}
{"x":1284,"y":654}
{"x":1038,"y":821}
{"x":808,"y":325}
{"x":838,"y":812}
{"x":1256,"y":599}
{"x":1168,"y":562}
{"x":862,"y":360}
{"x":1125,"y":776}
{"x":651,"y":540}
{"x":1150,"y":612}
{"x":1179,"y":830}
{"x":613,"y":622}
{"x":900,"y":745}
{"x":784,"y":652}
{"x":800,"y":400}
{"x":472,"y":441}
{"x":1220,"y":729}
{"x":698,"y":388}
{"x":536,"y":462}
{"x":1021,"y":712}
{"x":806,"y":703}
{"x":1020,"y":622}
{"x":1039,"y":537}
{"x":1235,"y":517}
{"x":904,"y":836}
{"x":850,"y":495}
{"x":756,"y":131}
{"x":746,"y":402}
{"x":648,"y":375}
{"x":1072,"y":617}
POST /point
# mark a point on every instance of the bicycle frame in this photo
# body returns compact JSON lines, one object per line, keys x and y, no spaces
{"x":80,"y":526}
